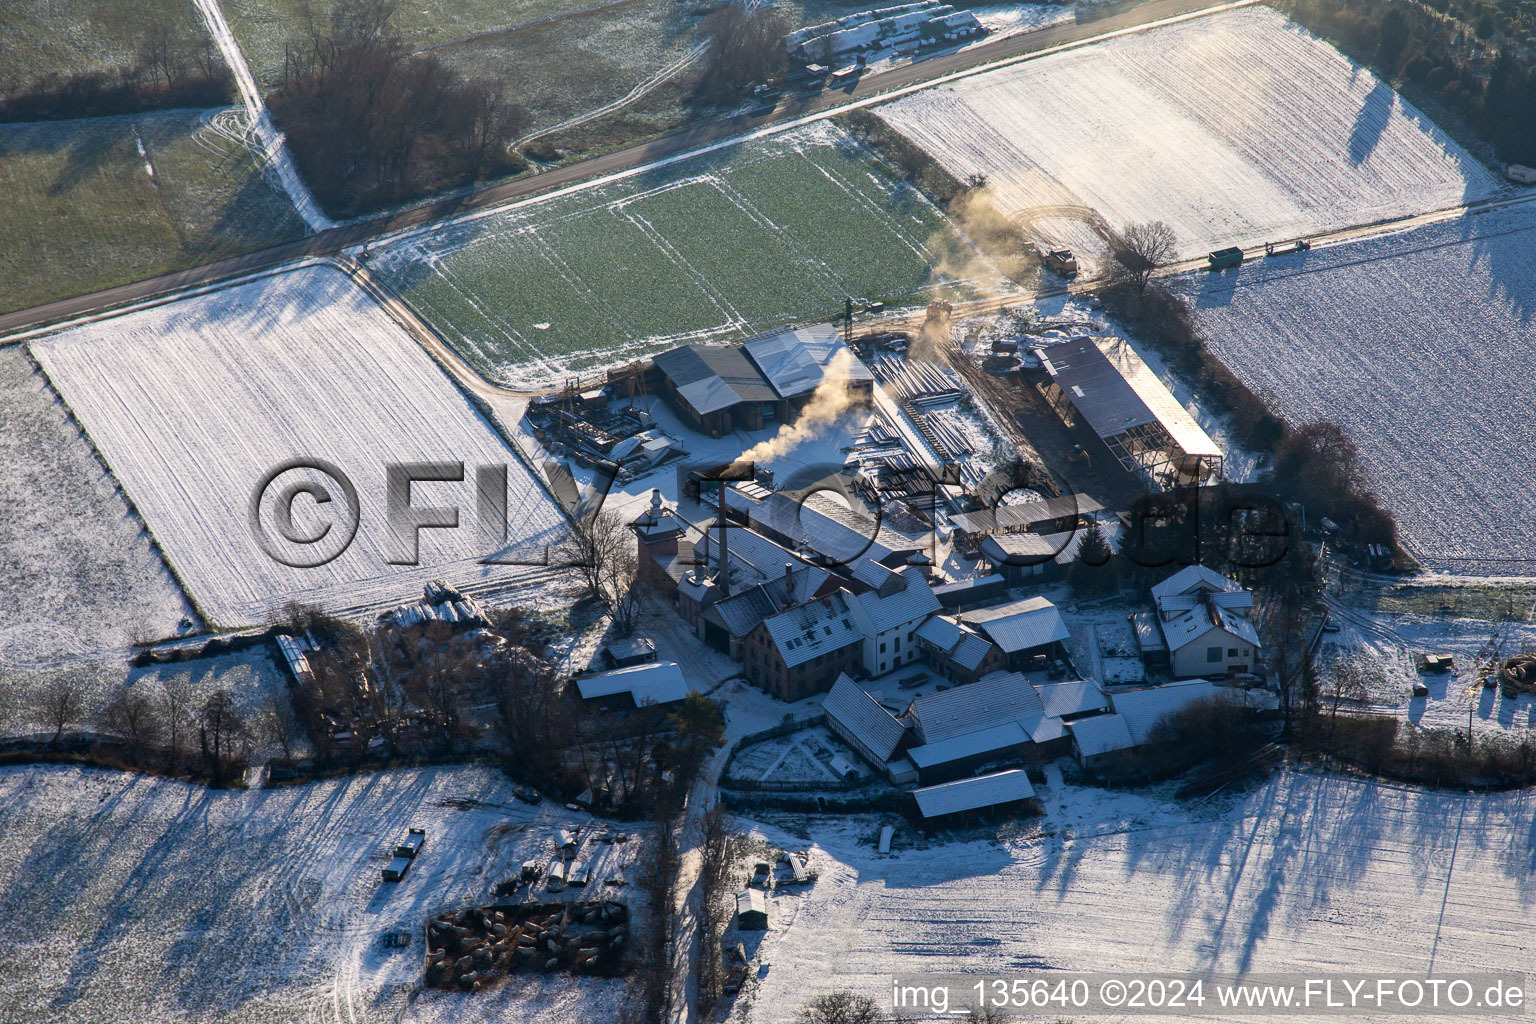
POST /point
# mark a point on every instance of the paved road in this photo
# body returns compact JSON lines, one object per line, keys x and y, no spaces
{"x":789,"y":111}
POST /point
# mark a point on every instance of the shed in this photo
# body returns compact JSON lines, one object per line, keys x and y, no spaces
{"x":995,"y":790}
{"x":657,"y":682}
{"x":633,"y":651}
{"x":1098,"y":735}
{"x":752,"y":910}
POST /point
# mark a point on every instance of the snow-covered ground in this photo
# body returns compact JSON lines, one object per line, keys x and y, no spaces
{"x":1418,"y":343}
{"x":1306,"y":873}
{"x":78,"y":575}
{"x":1236,"y":129}
{"x":192,"y":402}
{"x":130,"y":898}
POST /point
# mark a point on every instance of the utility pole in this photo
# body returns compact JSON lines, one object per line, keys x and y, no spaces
{"x":848,"y":320}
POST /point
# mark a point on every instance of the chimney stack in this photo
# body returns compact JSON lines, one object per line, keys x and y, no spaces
{"x":724,"y":577}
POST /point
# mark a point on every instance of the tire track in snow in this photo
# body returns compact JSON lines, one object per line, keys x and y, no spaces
{"x":271,"y":146}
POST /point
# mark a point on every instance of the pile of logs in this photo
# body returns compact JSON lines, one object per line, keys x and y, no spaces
{"x":469,"y":949}
{"x":1517,"y":675}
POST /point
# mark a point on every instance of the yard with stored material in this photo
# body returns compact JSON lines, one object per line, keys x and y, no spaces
{"x":143,"y":899}
{"x":1420,"y":345}
{"x":1236,"y":129}
{"x":721,"y":246}
{"x":193,"y":402}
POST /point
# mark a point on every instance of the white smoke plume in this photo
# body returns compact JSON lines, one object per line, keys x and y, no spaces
{"x":828,"y":403}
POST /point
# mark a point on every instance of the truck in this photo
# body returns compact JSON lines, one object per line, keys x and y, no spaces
{"x":1222,"y":259}
{"x":1061,"y":261}
{"x":1520,"y":174}
{"x":414,"y":839}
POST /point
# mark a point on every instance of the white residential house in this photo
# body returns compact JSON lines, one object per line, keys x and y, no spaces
{"x":1204,"y":618}
{"x":889,"y":616}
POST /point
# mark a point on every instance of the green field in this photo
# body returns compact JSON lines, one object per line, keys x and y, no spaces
{"x":68,"y":37}
{"x":723,"y":246}
{"x":81,"y":210}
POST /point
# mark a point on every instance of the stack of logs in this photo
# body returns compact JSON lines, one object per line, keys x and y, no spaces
{"x":470,"y":948}
{"x":1517,"y":675}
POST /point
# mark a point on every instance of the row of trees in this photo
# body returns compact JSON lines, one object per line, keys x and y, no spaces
{"x":175,"y":66}
{"x":372,"y":124}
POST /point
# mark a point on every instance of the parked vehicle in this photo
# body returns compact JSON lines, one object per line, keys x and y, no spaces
{"x":1062,"y":262}
{"x":1520,"y":174}
{"x":577,"y":876}
{"x":395,"y":870}
{"x":1223,"y":259}
{"x":414,"y":840}
{"x":556,"y":879}
{"x":527,"y":794}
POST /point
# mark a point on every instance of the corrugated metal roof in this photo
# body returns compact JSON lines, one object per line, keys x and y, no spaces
{"x":876,"y":728}
{"x":741,"y":612}
{"x":1071,"y":698}
{"x":1020,"y":625}
{"x":1021,"y":517}
{"x":999,"y":697}
{"x":711,"y":378}
{"x":1004,"y":736}
{"x":839,"y":534}
{"x":1114,"y":390}
{"x":1100,"y":734}
{"x":970,"y":652}
{"x":794,"y":360}
{"x":912,"y":602}
{"x":1190,"y":579}
{"x":1143,"y":709}
{"x":658,"y":682}
{"x":940,"y":632}
{"x":820,"y":627}
{"x":969,"y":794}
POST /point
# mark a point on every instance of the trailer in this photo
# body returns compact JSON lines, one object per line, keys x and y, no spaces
{"x":1223,"y":259}
{"x":1286,"y":248}
{"x":414,"y":840}
{"x":1520,"y":174}
{"x":395,"y":870}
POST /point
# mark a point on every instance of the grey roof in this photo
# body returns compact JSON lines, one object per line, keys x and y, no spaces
{"x":1020,"y":625}
{"x":912,"y":602}
{"x":940,"y":632}
{"x":1143,"y":709}
{"x":971,"y":651}
{"x":1099,"y":734}
{"x":1071,"y":698}
{"x":711,"y":378}
{"x":1021,"y":517}
{"x":1000,"y":737}
{"x":1149,"y":635}
{"x":974,"y":583}
{"x":876,"y":728}
{"x":794,"y":360}
{"x":1115,"y":391}
{"x":1191,"y":579}
{"x":820,"y":627}
{"x":999,"y":697}
{"x":658,"y":682}
{"x":751,"y":901}
{"x":835,"y":532}
{"x":963,"y":646}
{"x":741,"y":612}
{"x":969,"y":794}
{"x":1183,"y":630}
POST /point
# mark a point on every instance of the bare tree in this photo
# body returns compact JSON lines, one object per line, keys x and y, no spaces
{"x":721,"y":848}
{"x":594,"y":542}
{"x":60,"y":702}
{"x":744,"y":47}
{"x":1141,"y":248}
{"x":840,"y":1008}
{"x":133,"y":715}
{"x":277,"y":723}
{"x":220,"y":729}
{"x":177,"y":702}
{"x":624,"y":589}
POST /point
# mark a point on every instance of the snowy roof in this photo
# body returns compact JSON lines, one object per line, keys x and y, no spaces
{"x":741,"y":612}
{"x":751,"y":901}
{"x":1021,"y":517}
{"x":908,"y":603}
{"x":1071,"y":698}
{"x":1020,"y":625}
{"x":1099,"y":734}
{"x":1115,"y":391}
{"x":1149,"y":634}
{"x":1183,"y":630}
{"x":1003,"y":736}
{"x":711,"y":378}
{"x":971,"y":651}
{"x":820,"y":627}
{"x":831,"y":530}
{"x":794,"y":361}
{"x":1191,"y":579}
{"x":940,"y":632}
{"x":1143,"y":709}
{"x":659,"y":682}
{"x":969,"y":794}
{"x":859,"y":713}
{"x":999,"y":697}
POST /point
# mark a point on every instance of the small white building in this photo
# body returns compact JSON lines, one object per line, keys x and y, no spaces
{"x":889,"y":616}
{"x":1204,"y":621}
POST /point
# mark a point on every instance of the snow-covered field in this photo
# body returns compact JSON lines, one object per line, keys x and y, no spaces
{"x":138,"y":899}
{"x":1419,"y":344}
{"x":192,"y":402}
{"x":1306,"y":873}
{"x":1235,"y":129}
{"x":78,"y":576}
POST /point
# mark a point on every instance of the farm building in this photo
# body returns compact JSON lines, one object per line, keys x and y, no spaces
{"x":954,"y":801}
{"x":1203,"y":618}
{"x":634,"y":651}
{"x":795,"y":362}
{"x":657,"y":682}
{"x":752,"y":910}
{"x":863,"y":723}
{"x":1142,"y":709}
{"x":726,"y":623}
{"x":1030,"y":633}
{"x":1095,"y":739}
{"x":958,"y":652}
{"x":1105,"y":384}
{"x":973,"y":591}
{"x":889,"y":616}
{"x":716,"y":389}
{"x":803,"y":650}
{"x":832,"y":533}
{"x":1065,"y":513}
{"x":999,"y":716}
{"x":1022,"y":558}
